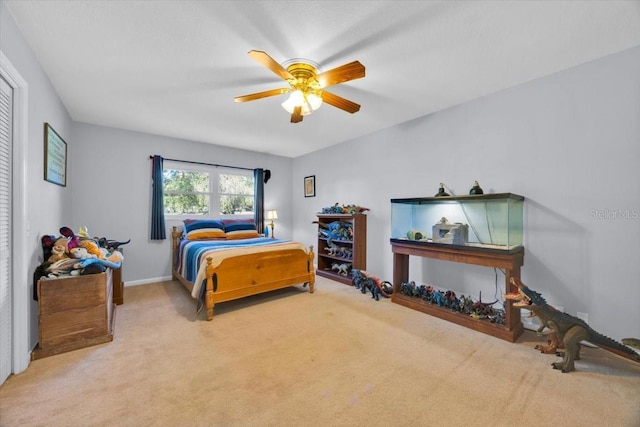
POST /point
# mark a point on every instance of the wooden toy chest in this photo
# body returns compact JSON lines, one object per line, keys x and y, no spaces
{"x":74,"y":312}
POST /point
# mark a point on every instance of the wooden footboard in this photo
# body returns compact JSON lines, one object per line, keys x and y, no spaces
{"x":251,"y":274}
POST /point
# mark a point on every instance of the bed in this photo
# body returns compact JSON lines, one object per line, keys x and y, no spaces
{"x":223,"y":260}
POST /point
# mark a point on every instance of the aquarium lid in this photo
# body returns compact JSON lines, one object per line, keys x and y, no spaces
{"x":464,"y":198}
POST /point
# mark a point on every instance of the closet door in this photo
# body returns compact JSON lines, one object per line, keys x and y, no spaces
{"x":6,"y":304}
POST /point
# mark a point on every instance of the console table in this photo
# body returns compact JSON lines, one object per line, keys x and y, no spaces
{"x":510,"y":261}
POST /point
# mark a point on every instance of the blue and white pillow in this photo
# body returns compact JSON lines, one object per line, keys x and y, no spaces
{"x":240,"y":228}
{"x":204,"y":229}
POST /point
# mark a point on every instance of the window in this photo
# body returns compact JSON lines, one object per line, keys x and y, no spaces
{"x":191,"y":190}
{"x":235,"y":194}
{"x":186,"y":192}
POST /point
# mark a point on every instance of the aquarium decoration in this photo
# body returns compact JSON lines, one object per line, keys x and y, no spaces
{"x":445,"y":232}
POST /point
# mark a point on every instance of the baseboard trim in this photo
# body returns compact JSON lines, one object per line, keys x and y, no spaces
{"x":147,"y":281}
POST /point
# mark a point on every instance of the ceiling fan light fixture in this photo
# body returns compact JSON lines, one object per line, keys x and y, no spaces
{"x":306,"y":85}
{"x":308,"y":101}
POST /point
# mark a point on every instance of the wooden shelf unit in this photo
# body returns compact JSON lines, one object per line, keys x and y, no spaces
{"x":358,"y":246}
{"x":509,"y":261}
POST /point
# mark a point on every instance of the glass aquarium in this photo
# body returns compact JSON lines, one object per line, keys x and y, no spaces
{"x":486,"y":221}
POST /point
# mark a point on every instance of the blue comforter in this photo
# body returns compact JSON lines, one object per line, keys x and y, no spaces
{"x":190,"y":252}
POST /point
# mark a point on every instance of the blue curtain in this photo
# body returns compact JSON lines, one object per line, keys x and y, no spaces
{"x":258,"y":191}
{"x":157,"y":203}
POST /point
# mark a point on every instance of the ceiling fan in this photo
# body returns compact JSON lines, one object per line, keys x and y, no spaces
{"x":306,"y":85}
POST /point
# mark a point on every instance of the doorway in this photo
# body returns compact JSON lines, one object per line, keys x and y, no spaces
{"x":14,"y":282}
{"x":6,"y":184}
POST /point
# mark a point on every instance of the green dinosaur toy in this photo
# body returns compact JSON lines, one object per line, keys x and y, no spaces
{"x":566,"y":330}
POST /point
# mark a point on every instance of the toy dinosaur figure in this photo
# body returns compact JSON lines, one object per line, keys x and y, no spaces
{"x":336,"y":230}
{"x":366,"y":282}
{"x":342,"y":269}
{"x":565,"y":329}
{"x":332,"y":249}
{"x":480,"y":308}
{"x":344,"y":209}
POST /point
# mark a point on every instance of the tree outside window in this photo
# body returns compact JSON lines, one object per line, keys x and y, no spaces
{"x":236,"y":194}
{"x":207,"y":191}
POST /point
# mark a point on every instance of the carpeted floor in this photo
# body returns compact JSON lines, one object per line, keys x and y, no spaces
{"x":333,"y":358}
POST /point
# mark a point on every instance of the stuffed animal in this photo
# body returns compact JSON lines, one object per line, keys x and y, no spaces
{"x":93,"y":248}
{"x":115,"y":257}
{"x":72,"y":239}
{"x":83,"y":232}
{"x":64,"y":266}
{"x":59,"y":250}
{"x":81,"y":253}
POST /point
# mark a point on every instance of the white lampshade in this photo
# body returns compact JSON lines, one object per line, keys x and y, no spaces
{"x":295,"y":99}
{"x":309,"y":102}
{"x":271,"y":215}
{"x":314,"y":100}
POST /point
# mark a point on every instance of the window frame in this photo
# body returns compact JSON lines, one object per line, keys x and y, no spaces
{"x":214,"y":183}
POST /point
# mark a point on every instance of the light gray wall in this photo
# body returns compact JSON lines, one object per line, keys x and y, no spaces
{"x":48,"y":205}
{"x":112,"y":190}
{"x":569,"y":143}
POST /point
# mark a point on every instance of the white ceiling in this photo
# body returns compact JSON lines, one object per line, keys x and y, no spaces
{"x":173,"y":67}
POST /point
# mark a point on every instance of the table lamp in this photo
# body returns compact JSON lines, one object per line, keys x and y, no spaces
{"x":271,"y":215}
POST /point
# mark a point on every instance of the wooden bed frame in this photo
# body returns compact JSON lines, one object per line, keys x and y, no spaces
{"x":250,"y":274}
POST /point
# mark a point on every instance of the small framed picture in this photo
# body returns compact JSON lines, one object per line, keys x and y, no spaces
{"x":310,"y":186}
{"x":55,"y":157}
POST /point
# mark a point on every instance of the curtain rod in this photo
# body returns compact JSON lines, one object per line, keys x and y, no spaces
{"x":206,"y":164}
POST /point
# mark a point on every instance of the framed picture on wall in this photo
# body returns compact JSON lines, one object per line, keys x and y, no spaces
{"x":310,"y":186}
{"x":55,"y":157}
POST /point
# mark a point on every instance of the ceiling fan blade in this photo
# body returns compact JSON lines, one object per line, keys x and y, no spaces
{"x":259,"y":95}
{"x":296,"y":117}
{"x":344,"y":73}
{"x":271,"y":64}
{"x":340,"y":102}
